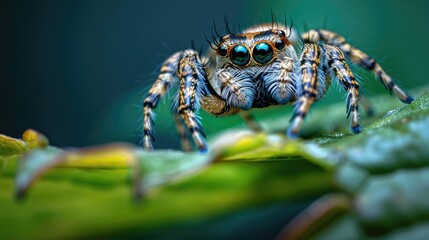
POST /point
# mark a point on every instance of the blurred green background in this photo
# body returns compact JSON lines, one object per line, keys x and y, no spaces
{"x":77,"y":70}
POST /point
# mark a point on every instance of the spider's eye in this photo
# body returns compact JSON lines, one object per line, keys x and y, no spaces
{"x":262,"y":53}
{"x":222,"y":50}
{"x":239,"y":55}
{"x":281,"y":33}
{"x":280,"y":44}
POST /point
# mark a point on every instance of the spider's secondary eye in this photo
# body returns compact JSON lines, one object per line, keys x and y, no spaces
{"x":262,"y":53}
{"x":280,"y":44}
{"x":222,"y":50}
{"x":282,"y":33}
{"x":239,"y":55}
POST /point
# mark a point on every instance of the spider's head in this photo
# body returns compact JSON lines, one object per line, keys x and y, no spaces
{"x":252,"y":48}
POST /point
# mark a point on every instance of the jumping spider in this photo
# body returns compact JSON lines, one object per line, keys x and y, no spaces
{"x":255,"y":69}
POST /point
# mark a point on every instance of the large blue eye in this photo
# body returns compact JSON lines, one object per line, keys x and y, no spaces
{"x":239,"y":55}
{"x":262,"y":53}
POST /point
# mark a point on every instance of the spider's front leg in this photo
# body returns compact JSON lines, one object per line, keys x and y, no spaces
{"x":192,"y":79}
{"x":309,"y":63}
{"x":183,"y":133}
{"x":187,"y":68}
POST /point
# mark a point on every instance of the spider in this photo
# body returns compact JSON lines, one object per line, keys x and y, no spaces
{"x":259,"y":68}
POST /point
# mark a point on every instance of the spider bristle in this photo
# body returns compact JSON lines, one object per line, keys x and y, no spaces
{"x":227,"y":25}
{"x":325,"y":21}
{"x":215,"y":41}
{"x":207,"y":63}
{"x":213,"y":37}
{"x":285,"y":18}
{"x":305,"y":26}
{"x":192,"y":44}
{"x":215,"y":29}
{"x":300,"y":43}
{"x":277,"y":23}
{"x":200,"y":51}
{"x":209,"y":42}
{"x":290,"y":28}
{"x":272,"y":19}
{"x":166,"y":47}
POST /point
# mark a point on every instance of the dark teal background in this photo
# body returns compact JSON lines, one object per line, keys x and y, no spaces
{"x":78,"y":70}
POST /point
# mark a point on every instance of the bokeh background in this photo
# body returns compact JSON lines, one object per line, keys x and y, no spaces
{"x":77,"y":70}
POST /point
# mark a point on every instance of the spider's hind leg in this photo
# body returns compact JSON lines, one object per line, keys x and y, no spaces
{"x":359,"y":57}
{"x":366,"y":105}
{"x":250,"y":121}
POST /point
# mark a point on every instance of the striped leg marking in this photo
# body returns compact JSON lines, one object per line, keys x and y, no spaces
{"x":166,"y":78}
{"x":181,"y":130}
{"x":280,"y":83}
{"x":190,"y":89}
{"x":236,"y":90}
{"x":337,"y":63}
{"x":187,"y":67}
{"x":195,"y":128}
{"x":359,"y":57}
{"x":310,"y":60}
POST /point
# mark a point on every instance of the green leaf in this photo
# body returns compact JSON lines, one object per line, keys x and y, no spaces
{"x":30,"y":139}
{"x":161,"y":167}
{"x":39,"y":161}
{"x":11,"y":146}
{"x":262,"y":180}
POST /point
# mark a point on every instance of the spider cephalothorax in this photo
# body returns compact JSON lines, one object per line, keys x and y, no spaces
{"x":255,"y":69}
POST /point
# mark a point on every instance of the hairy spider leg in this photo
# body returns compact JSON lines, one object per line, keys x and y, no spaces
{"x":359,"y":57}
{"x":337,"y":63}
{"x":192,"y":85}
{"x":166,"y":78}
{"x":366,"y":105}
{"x":250,"y":121}
{"x":309,"y":62}
{"x":183,"y":134}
